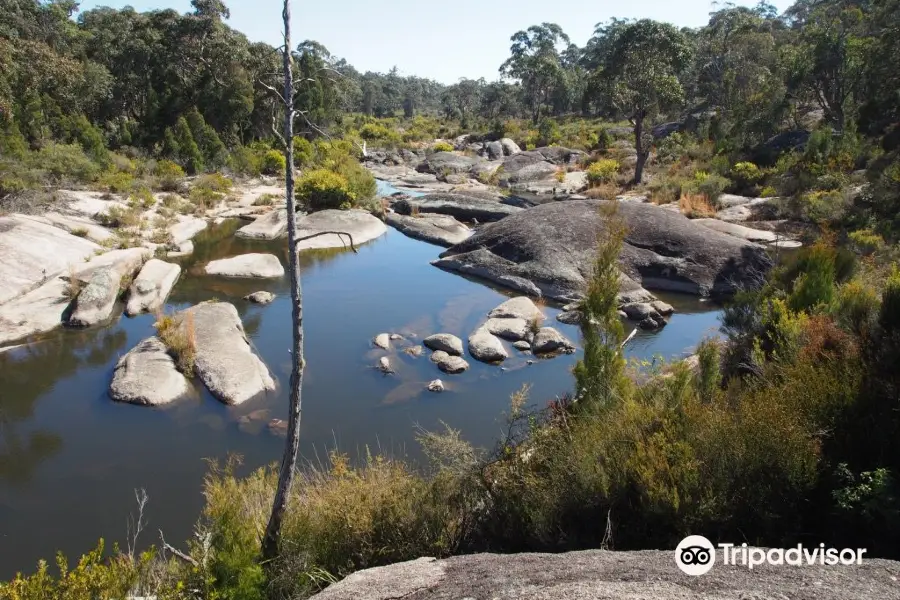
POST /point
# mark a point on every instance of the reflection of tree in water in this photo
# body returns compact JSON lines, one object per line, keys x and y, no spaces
{"x":29,"y":373}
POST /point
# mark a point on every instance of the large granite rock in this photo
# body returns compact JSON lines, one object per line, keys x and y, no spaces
{"x":513,"y":330}
{"x":520,"y":307}
{"x":434,"y":228}
{"x":147,"y":375}
{"x":549,"y":250}
{"x":224,"y":359}
{"x":77,"y":225}
{"x":34,"y":252}
{"x":602,"y":574}
{"x":149,"y":290}
{"x":524,"y":167}
{"x":494,"y":150}
{"x":509,"y":147}
{"x":268,"y":227}
{"x":459,"y":206}
{"x":97,"y":299}
{"x":186,"y":228}
{"x":446,"y":162}
{"x":358,"y":223}
{"x":549,"y":340}
{"x":745,"y":233}
{"x":265,"y":266}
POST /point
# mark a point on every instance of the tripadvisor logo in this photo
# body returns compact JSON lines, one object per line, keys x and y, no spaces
{"x":696,"y":555}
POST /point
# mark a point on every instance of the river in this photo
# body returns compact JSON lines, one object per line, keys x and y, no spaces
{"x":70,"y":458}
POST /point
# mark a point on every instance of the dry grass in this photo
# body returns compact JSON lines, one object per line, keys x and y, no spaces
{"x":81,"y":232}
{"x":537,"y":321}
{"x":414,"y":211}
{"x":179,"y":336}
{"x":696,"y":206}
{"x":603,"y":191}
{"x":73,"y":284}
{"x":560,"y":175}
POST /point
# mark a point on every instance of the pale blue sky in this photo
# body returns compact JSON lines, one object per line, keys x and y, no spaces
{"x":441,"y":40}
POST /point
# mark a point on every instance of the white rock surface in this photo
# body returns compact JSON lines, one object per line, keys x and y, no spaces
{"x":260,"y":297}
{"x":382,"y":340}
{"x":97,"y":299}
{"x":147,"y":375}
{"x":436,"y":386}
{"x":268,"y":227}
{"x":224,"y":360}
{"x":186,"y":228}
{"x":32,"y":253}
{"x":521,"y":307}
{"x":149,"y":290}
{"x":740,"y":231}
{"x":247,"y":266}
{"x":79,"y":224}
{"x":358,"y":223}
{"x":513,"y":329}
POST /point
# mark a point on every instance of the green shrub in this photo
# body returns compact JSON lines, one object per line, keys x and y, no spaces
{"x":168,"y":174}
{"x":379,"y":133}
{"x":65,"y":163}
{"x":707,"y":184}
{"x":245,"y":161}
{"x":548,"y":132}
{"x":745,"y":175}
{"x":602,"y":171}
{"x":866,"y":241}
{"x":215,"y":182}
{"x":304,"y":152}
{"x":442,"y":147}
{"x":117,"y":182}
{"x":360,"y":181}
{"x":768,"y":192}
{"x":273,"y":163}
{"x":822,"y":206}
{"x":265,"y":200}
{"x":321,"y":189}
{"x":141,"y":197}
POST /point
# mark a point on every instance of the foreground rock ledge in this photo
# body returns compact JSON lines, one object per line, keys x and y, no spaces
{"x":224,"y":360}
{"x":358,"y":223}
{"x":599,"y":574}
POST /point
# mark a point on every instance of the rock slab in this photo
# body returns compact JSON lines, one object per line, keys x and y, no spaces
{"x":486,"y":347}
{"x":596,"y":574}
{"x":444,"y":342}
{"x":358,"y":223}
{"x":149,"y":290}
{"x":264,"y":266}
{"x":147,"y":375}
{"x":224,"y":359}
{"x":268,"y":227}
{"x":441,"y":230}
{"x":459,"y":206}
{"x":96,"y":301}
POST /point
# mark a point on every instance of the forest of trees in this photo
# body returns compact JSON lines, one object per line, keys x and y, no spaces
{"x":123,"y":78}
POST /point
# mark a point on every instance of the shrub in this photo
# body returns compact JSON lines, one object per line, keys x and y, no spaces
{"x":304,"y":152}
{"x":215,"y":182}
{"x":360,"y":180}
{"x":746,"y":175}
{"x":602,"y":171}
{"x":377,"y":132}
{"x":169,"y":175}
{"x":66,"y":162}
{"x":141,"y":197}
{"x":548,"y":132}
{"x":706,"y":184}
{"x":321,"y":189}
{"x":265,"y":200}
{"x":866,"y":241}
{"x":822,"y":206}
{"x":603,"y":191}
{"x":768,"y":192}
{"x":245,"y":161}
{"x":273,"y":163}
{"x":117,"y":217}
{"x":117,"y":182}
{"x":442,"y":147}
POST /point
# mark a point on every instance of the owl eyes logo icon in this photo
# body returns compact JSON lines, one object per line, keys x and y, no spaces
{"x":695,"y":555}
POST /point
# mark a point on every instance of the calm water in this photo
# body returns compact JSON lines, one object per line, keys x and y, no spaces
{"x":70,"y":458}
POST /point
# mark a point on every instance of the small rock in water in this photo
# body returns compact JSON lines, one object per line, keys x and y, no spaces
{"x":395,"y":336}
{"x":529,"y":361}
{"x":662,"y":308}
{"x":448,"y":363}
{"x":436,"y":386}
{"x":382,"y":340}
{"x":414,"y":351}
{"x":522,"y":345}
{"x":444,"y":341}
{"x":569,"y":317}
{"x":550,"y":340}
{"x":260,"y":297}
{"x":278,"y":427}
{"x":384,"y":365}
{"x":486,"y":347}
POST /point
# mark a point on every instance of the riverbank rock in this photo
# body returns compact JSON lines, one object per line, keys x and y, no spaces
{"x":34,"y":252}
{"x":459,"y":206}
{"x":569,"y":317}
{"x":486,"y":347}
{"x":522,"y":346}
{"x":264,"y":266}
{"x":442,"y":230}
{"x":358,"y":223}
{"x":78,"y":225}
{"x":268,"y":227}
{"x":509,"y":146}
{"x":446,"y":162}
{"x":444,"y":342}
{"x":97,"y":299}
{"x":186,"y":229}
{"x":596,"y":574}
{"x":147,"y":375}
{"x":549,"y":250}
{"x":151,"y":287}
{"x":38,"y":311}
{"x":525,"y":167}
{"x":436,"y":386}
{"x":260,"y":297}
{"x":548,"y":340}
{"x":384,"y":365}
{"x":224,"y":359}
{"x":753,"y":210}
{"x":449,"y":363}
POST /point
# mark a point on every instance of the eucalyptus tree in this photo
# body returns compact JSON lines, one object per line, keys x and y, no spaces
{"x":641,"y":74}
{"x":537,"y":63}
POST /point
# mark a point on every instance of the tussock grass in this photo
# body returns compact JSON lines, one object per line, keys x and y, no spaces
{"x":696,"y":206}
{"x":178,"y":334}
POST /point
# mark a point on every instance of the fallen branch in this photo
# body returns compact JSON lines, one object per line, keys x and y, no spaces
{"x":337,"y":233}
{"x":178,"y":553}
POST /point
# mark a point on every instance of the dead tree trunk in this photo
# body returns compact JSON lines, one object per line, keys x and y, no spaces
{"x":292,"y":444}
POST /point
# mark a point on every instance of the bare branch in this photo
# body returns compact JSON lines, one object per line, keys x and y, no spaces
{"x":276,"y":132}
{"x":178,"y":553}
{"x":273,"y":90}
{"x":337,"y":233}
{"x":136,"y":526}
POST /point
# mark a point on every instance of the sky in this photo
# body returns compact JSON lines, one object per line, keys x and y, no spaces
{"x":448,"y":41}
